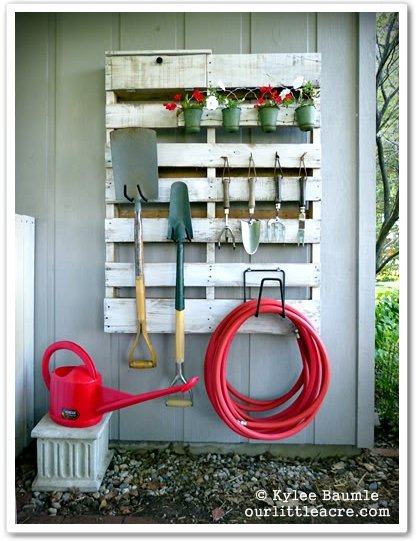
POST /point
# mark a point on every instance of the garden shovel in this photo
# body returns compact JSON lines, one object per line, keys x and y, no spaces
{"x":179,"y":230}
{"x":251,"y":228}
{"x":134,"y":162}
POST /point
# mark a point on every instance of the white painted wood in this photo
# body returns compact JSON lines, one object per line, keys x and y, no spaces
{"x":213,"y":274}
{"x":210,"y":189}
{"x":316,"y":214}
{"x":154,"y":115}
{"x":210,"y":155}
{"x":236,"y":70}
{"x":204,"y":229}
{"x":144,"y":72}
{"x":211,"y":213}
{"x":201,"y":316}
{"x":24,"y":329}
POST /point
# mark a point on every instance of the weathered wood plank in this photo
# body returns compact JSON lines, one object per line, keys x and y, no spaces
{"x":140,"y":70}
{"x":135,"y":72}
{"x":210,"y":154}
{"x":204,"y":229}
{"x":154,"y":115}
{"x":239,"y":70}
{"x":213,"y":274}
{"x":201,"y":316}
{"x":211,"y":190}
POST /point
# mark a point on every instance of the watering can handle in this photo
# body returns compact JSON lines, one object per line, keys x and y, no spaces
{"x":71,"y":346}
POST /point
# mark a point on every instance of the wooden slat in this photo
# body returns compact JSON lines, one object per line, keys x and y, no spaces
{"x":154,"y":115}
{"x":204,"y":229}
{"x":137,"y":70}
{"x":211,"y":190}
{"x":213,"y":274}
{"x":210,"y":155}
{"x":248,"y":70}
{"x":143,"y":72}
{"x":201,"y":316}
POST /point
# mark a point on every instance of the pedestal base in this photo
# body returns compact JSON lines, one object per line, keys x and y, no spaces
{"x":71,"y":457}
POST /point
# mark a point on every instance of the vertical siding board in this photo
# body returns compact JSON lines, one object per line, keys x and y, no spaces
{"x":150,"y":31}
{"x":366,"y":231}
{"x":201,"y":29}
{"x":336,"y":423}
{"x":34,"y":186}
{"x":281,"y":32}
{"x":79,"y":183}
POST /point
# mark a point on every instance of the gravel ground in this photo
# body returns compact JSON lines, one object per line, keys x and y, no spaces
{"x":172,"y":485}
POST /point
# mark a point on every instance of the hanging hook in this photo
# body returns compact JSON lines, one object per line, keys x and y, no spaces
{"x":226,"y":167}
{"x":278,"y":164}
{"x":251,"y":161}
{"x":302,"y":161}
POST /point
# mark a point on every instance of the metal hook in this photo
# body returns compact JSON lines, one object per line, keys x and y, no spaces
{"x":277,"y":163}
{"x":251,"y":161}
{"x":226,"y":166}
{"x":302,"y":161}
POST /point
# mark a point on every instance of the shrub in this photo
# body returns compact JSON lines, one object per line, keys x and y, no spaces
{"x":387,"y":357}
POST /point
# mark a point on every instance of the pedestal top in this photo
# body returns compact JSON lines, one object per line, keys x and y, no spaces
{"x":47,"y":428}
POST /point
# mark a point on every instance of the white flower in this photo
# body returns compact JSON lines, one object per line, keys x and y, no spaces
{"x":212,"y":103}
{"x":221,"y":85}
{"x":298,"y":82}
{"x":284,"y":93}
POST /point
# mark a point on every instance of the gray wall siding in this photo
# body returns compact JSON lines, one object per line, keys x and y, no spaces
{"x":60,"y":180}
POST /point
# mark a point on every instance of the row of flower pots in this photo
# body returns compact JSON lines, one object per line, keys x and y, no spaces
{"x":269,"y":102}
{"x":267,"y":116}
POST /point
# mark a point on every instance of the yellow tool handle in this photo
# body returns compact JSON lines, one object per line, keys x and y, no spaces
{"x":140,"y":299}
{"x":179,"y":336}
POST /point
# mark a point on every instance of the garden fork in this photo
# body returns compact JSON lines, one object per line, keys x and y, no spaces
{"x":275,"y":227}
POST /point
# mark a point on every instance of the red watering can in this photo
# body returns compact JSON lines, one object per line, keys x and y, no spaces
{"x":77,"y":396}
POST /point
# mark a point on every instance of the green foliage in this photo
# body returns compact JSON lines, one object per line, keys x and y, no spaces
{"x":387,"y":141}
{"x":387,"y":356}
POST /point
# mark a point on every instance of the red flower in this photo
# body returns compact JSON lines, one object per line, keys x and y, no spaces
{"x":265,"y":89}
{"x":178,"y":97}
{"x":170,"y":106}
{"x":198,"y":96}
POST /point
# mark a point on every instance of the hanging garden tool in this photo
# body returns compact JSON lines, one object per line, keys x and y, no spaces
{"x":275,"y":227}
{"x":303,"y":203}
{"x":179,"y":230}
{"x":227,"y":231}
{"x":134,"y":162}
{"x":251,"y":228}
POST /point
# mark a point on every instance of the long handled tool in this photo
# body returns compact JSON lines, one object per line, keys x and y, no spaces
{"x":227,"y":231}
{"x":303,"y":204}
{"x":251,"y":228}
{"x":134,"y":162}
{"x":179,"y":230}
{"x":275,"y":227}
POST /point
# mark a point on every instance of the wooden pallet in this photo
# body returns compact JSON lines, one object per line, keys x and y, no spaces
{"x":137,"y":83}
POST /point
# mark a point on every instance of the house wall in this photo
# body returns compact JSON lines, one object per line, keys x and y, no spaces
{"x":60,"y":180}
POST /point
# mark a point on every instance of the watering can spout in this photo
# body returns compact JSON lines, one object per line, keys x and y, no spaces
{"x":111,"y":399}
{"x":77,"y":397}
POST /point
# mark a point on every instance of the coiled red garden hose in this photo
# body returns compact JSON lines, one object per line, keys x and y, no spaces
{"x":309,"y":390}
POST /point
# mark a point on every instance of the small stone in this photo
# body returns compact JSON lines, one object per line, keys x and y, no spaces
{"x":52,"y":511}
{"x":373,"y":486}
